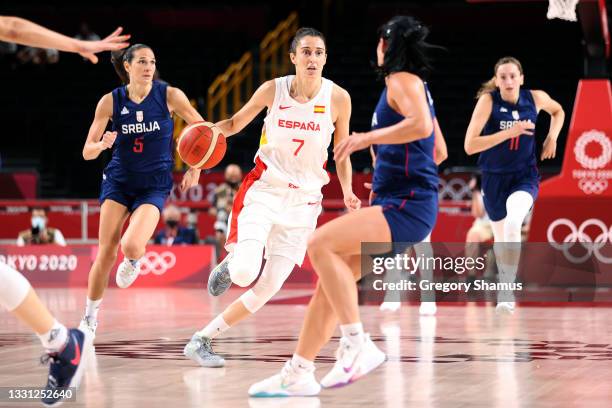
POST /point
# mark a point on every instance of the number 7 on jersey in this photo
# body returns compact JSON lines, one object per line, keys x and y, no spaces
{"x":301,"y":144}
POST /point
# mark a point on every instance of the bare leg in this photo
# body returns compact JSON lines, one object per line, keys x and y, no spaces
{"x":327,"y":248}
{"x":32,"y":312}
{"x":320,"y":318}
{"x":142,"y":226}
{"x":112,"y":218}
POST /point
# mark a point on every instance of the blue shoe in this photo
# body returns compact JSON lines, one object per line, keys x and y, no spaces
{"x":66,"y":368}
{"x":219,"y":279}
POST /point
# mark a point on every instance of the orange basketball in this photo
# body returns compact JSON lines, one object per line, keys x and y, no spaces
{"x":201,"y":145}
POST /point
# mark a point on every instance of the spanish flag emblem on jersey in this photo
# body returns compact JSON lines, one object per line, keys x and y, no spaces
{"x":319,"y":109}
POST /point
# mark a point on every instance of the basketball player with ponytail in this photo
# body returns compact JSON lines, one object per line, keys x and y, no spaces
{"x":279,"y":201}
{"x":501,"y":130}
{"x":67,"y":350}
{"x":138,"y":179}
{"x":405,"y":183}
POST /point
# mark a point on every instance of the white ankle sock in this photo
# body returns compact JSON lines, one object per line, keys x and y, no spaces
{"x":353,"y":332}
{"x":214,"y":328}
{"x":55,"y":339}
{"x":301,"y":365}
{"x":92,"y":307}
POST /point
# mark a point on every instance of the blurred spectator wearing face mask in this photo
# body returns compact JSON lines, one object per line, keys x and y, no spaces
{"x":174,"y":233}
{"x":223,"y":200}
{"x":39,"y":233}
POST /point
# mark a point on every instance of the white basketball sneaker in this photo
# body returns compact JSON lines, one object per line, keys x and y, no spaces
{"x":127,"y":273}
{"x":90,"y":324}
{"x":504,"y":308}
{"x":353,"y":362}
{"x":289,"y":383}
{"x":390,"y":306}
{"x":428,"y":309}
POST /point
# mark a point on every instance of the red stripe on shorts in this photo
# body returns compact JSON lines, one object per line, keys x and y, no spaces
{"x":251,"y":178}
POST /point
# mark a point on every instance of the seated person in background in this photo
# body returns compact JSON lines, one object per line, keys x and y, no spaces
{"x":222,"y":202}
{"x":173,"y":233}
{"x":38,"y":56}
{"x":40,"y":233}
{"x":480,"y":231}
{"x":481,"y":228}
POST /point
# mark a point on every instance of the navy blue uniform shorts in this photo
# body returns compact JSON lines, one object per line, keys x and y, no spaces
{"x":496,"y":188}
{"x":133,"y":196}
{"x":411,"y":218}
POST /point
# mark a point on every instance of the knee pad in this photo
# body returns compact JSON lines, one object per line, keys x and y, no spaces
{"x":512,"y":229}
{"x":14,"y":287}
{"x":246,"y":262}
{"x":517,"y":206}
{"x":275,"y":272}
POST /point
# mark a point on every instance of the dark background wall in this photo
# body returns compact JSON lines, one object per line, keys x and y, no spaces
{"x":46,"y":111}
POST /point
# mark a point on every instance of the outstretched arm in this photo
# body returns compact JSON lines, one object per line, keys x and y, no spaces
{"x":263,"y":97}
{"x":25,"y":32}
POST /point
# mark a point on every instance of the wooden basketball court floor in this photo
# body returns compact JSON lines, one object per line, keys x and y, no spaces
{"x":465,"y":356}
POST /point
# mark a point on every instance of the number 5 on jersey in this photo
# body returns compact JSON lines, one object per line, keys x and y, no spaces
{"x":138,"y":144}
{"x":301,"y":144}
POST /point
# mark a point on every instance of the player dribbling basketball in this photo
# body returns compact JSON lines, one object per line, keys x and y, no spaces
{"x":279,"y":201}
{"x":405,"y":182}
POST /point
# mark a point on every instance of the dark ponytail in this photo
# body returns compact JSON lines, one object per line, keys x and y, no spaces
{"x":406,"y":48}
{"x":119,"y":56}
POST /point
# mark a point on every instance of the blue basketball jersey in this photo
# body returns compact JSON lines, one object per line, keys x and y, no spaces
{"x":143,"y":148}
{"x":519,"y":152}
{"x":401,"y":168}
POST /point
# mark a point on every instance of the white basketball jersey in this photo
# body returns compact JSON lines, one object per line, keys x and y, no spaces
{"x":295,"y":138}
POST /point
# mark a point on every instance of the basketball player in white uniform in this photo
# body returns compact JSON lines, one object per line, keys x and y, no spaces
{"x":278,"y":203}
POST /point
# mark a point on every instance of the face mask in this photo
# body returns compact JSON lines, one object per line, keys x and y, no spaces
{"x":172,"y":223}
{"x":233,"y":184}
{"x":38,"y":222}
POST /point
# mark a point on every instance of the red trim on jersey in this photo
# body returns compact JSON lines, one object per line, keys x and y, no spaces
{"x":251,"y":178}
{"x":518,"y":139}
{"x":325,"y":168}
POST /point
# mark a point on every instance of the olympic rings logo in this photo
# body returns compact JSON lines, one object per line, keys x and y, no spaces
{"x":591,"y":163}
{"x":578,"y":235}
{"x":156,"y":263}
{"x":456,"y":189}
{"x":593,"y":186}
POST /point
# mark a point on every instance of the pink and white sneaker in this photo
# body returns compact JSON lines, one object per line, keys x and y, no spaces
{"x":353,"y":362}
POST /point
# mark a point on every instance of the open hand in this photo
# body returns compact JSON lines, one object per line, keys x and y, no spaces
{"x":115,"y":41}
{"x":190,"y":179}
{"x":549,"y":149}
